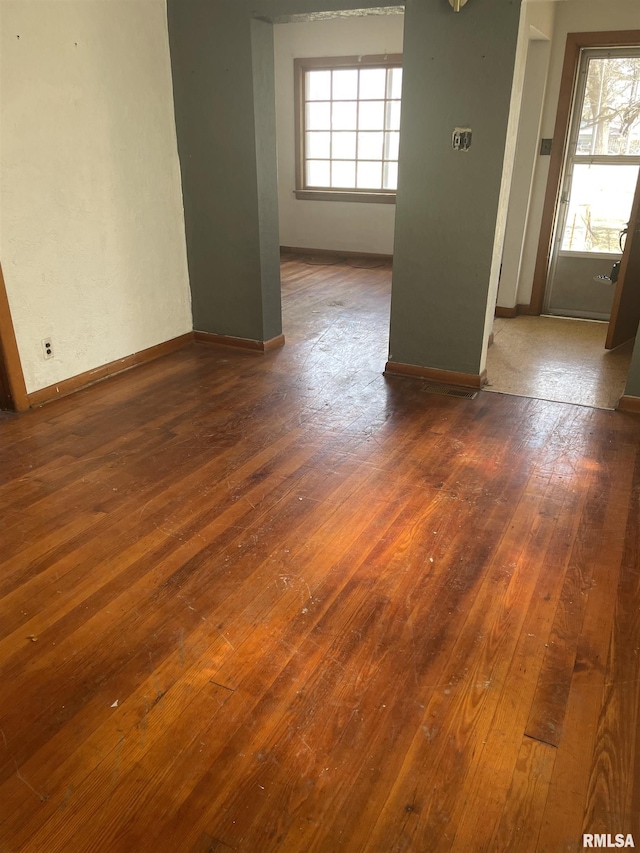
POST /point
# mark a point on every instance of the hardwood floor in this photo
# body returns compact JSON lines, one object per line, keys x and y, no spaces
{"x":282,"y":603}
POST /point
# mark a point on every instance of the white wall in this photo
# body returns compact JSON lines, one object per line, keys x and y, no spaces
{"x":540,"y":14}
{"x":526,"y":154}
{"x":571,"y":16}
{"x":91,"y":226}
{"x":350,"y":226}
{"x":535,"y":21}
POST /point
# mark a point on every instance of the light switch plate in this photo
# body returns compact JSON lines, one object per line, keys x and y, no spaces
{"x":545,"y":147}
{"x":461,"y":138}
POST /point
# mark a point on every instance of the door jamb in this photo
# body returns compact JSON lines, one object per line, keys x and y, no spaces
{"x":575,"y":43}
{"x":13,"y":392}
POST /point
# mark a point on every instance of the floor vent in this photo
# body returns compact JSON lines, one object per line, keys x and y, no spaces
{"x":451,"y":391}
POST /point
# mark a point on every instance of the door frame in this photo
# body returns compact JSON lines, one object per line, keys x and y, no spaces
{"x":623,"y":325}
{"x":575,"y":44}
{"x":13,"y":392}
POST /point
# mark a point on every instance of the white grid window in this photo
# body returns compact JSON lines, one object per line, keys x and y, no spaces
{"x":349,"y":125}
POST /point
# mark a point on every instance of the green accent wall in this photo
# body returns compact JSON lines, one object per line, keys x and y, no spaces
{"x":633,"y":377}
{"x":229,"y":219}
{"x":458,"y":72}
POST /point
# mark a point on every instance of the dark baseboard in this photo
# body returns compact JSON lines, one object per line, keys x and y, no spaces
{"x":506,"y":312}
{"x":445,"y":377}
{"x":334,"y":253}
{"x":515,"y":311}
{"x":627,"y":403}
{"x":239,"y":343}
{"x":90,"y":377}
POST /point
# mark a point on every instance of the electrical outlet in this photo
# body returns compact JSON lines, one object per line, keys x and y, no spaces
{"x":461,"y":138}
{"x":47,"y":347}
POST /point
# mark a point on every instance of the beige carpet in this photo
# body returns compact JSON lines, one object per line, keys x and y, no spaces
{"x":553,"y":358}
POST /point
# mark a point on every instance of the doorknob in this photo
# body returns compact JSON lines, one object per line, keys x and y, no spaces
{"x":622,"y":234}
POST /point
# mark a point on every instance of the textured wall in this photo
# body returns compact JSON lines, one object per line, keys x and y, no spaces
{"x":92,"y":232}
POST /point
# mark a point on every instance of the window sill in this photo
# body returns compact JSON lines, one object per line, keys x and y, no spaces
{"x":341,"y":195}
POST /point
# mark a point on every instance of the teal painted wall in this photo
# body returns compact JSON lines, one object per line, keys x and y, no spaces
{"x":267,"y":177}
{"x":458,"y":71}
{"x":223,"y":182}
{"x":633,"y":377}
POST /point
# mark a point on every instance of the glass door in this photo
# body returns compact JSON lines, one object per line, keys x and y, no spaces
{"x":599,"y":178}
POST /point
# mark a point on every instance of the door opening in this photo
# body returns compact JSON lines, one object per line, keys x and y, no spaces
{"x":337,"y":128}
{"x":599,"y":177}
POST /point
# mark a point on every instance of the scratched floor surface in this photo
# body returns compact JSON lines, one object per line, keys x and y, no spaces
{"x":281,"y":603}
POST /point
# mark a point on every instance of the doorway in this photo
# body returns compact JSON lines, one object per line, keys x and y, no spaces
{"x":599,"y":176}
{"x":13,"y":393}
{"x":337,"y":98}
{"x":559,"y":359}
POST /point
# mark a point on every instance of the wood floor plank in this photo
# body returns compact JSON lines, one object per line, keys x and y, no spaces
{"x":164,"y":514}
{"x":566,"y":804}
{"x":226,"y":649}
{"x":457,"y":722}
{"x":140,"y":605}
{"x":284,"y":603}
{"x":538,"y":574}
{"x":75,"y":638}
{"x":519,"y":826}
{"x":547,"y":714}
{"x":613,"y":802}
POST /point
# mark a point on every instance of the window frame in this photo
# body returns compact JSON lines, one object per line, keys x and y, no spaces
{"x":392,"y":60}
{"x":572,"y":157}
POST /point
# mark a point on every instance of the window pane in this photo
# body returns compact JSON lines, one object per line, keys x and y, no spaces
{"x":351,"y":127}
{"x":371,"y":115}
{"x":343,"y":145}
{"x":318,"y":86}
{"x":391,"y":146}
{"x":393,"y":115}
{"x":344,"y":115}
{"x":610,"y":121}
{"x":599,"y":207}
{"x":343,"y":174}
{"x":370,"y":176}
{"x":318,"y":173}
{"x":318,"y":116}
{"x":394,"y":83}
{"x":373,"y":83}
{"x":390,"y":181}
{"x":370,"y":146}
{"x":345,"y":84}
{"x":318,"y":145}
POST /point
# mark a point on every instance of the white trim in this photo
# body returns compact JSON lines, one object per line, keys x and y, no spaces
{"x":576,"y":315}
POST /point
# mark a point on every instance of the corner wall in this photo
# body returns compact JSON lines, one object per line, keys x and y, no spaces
{"x":451,"y":205}
{"x":91,"y":225}
{"x":525,"y":162}
{"x":458,"y":71}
